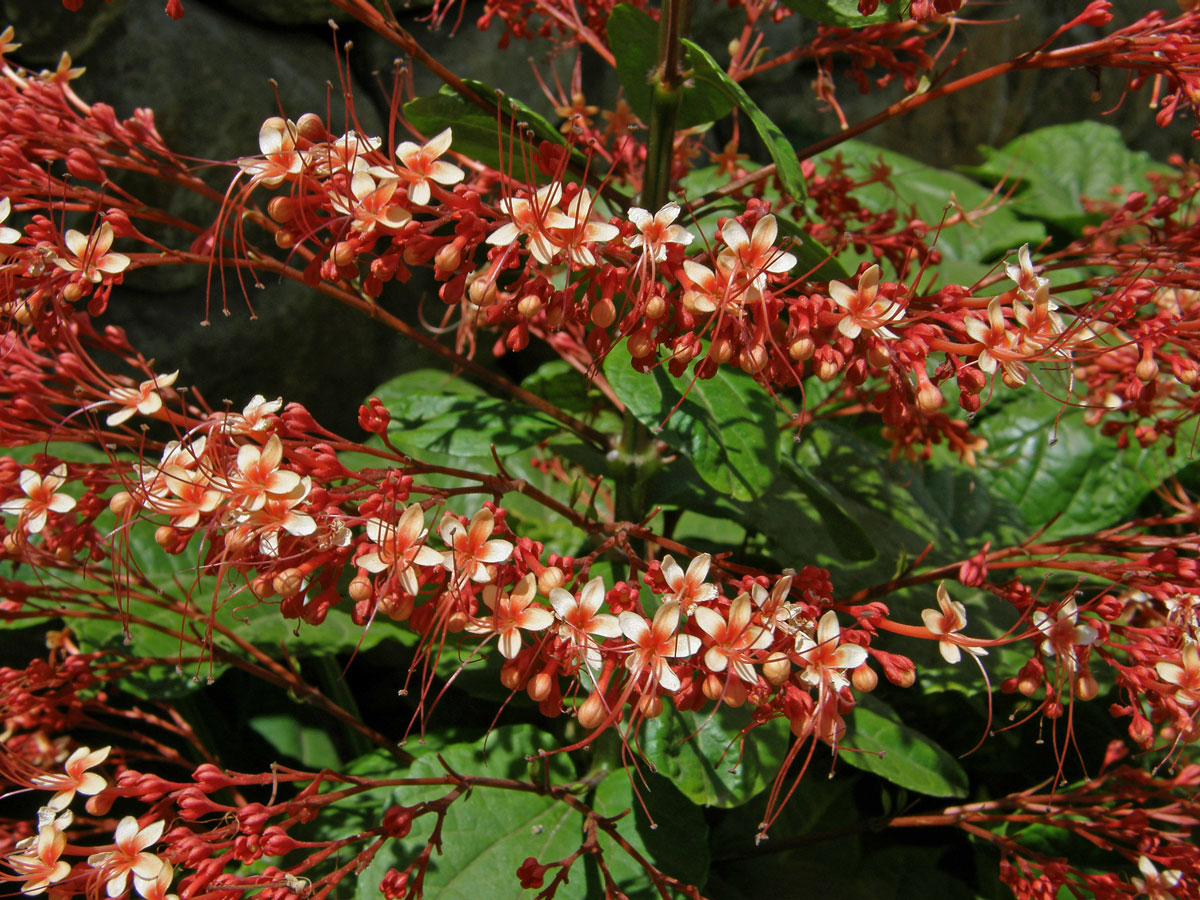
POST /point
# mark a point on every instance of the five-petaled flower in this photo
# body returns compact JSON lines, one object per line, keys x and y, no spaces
{"x":400,"y":547}
{"x":532,"y":217}
{"x":40,"y":864}
{"x":581,"y":618}
{"x":944,"y":622}
{"x":280,"y":159}
{"x":89,"y":255}
{"x":75,"y":777}
{"x":259,"y":478}
{"x":7,"y":235}
{"x":421,"y":166}
{"x":511,"y":612}
{"x":143,"y":399}
{"x":756,"y":252}
{"x":826,"y":658}
{"x":129,"y":856}
{"x":1062,"y":634}
{"x":734,"y":638}
{"x":1185,"y":677}
{"x":865,"y":309}
{"x":41,"y":498}
{"x":1154,"y":884}
{"x":688,"y":588}
{"x":655,"y":232}
{"x":655,"y":643}
{"x":471,"y":551}
{"x":156,"y":888}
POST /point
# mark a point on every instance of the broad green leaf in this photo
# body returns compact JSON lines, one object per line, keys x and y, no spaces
{"x":448,"y":416}
{"x":844,"y":13}
{"x":477,"y":134}
{"x":181,"y":600}
{"x":1057,"y":168}
{"x":787,"y":166}
{"x":488,"y":833}
{"x":308,"y":744}
{"x":840,"y":504}
{"x":704,"y":755}
{"x":563,"y":386}
{"x":933,"y":195}
{"x":662,"y":825}
{"x":744,"y":869}
{"x":1049,"y":463}
{"x":725,"y":425}
{"x":633,"y":39}
{"x":909,"y":758}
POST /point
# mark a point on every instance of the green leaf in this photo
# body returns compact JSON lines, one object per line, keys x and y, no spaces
{"x":633,"y":39}
{"x":488,"y":833}
{"x":844,"y":13}
{"x":308,"y":744}
{"x":725,"y":425}
{"x":910,"y":759}
{"x":1058,"y":466}
{"x":787,"y":167}
{"x":934,"y":194}
{"x":703,"y":754}
{"x":662,"y":825}
{"x":431,"y":411}
{"x":1057,"y":168}
{"x":477,"y":134}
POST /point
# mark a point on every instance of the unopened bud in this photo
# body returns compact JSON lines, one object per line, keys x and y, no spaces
{"x":777,"y":668}
{"x":282,"y":209}
{"x":311,"y":127}
{"x":713,"y":687}
{"x":261,"y":587}
{"x":1185,"y":370}
{"x":641,"y":344}
{"x":827,"y":369}
{"x":121,"y":502}
{"x":482,"y":291}
{"x":929,"y":397}
{"x":592,"y":712}
{"x":1012,"y":377}
{"x":753,"y":359}
{"x":457,"y":621}
{"x":288,"y":582}
{"x":802,"y":349}
{"x":1147,"y":367}
{"x":164,"y":536}
{"x":359,"y":588}
{"x":721,"y":350}
{"x":540,"y":686}
{"x":656,"y":308}
{"x":864,"y":679}
{"x":603,"y":313}
{"x":510,"y":675}
{"x":343,"y":253}
{"x":284,"y":239}
{"x":879,"y":355}
{"x":448,"y":257}
{"x":650,"y":706}
{"x":529,"y":305}
{"x":1086,"y":686}
{"x":552,"y":577}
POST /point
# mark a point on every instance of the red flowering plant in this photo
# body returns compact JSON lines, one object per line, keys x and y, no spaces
{"x":616,"y":627}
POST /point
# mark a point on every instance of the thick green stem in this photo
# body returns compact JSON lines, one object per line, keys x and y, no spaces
{"x":636,"y":459}
{"x":667,"y":81}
